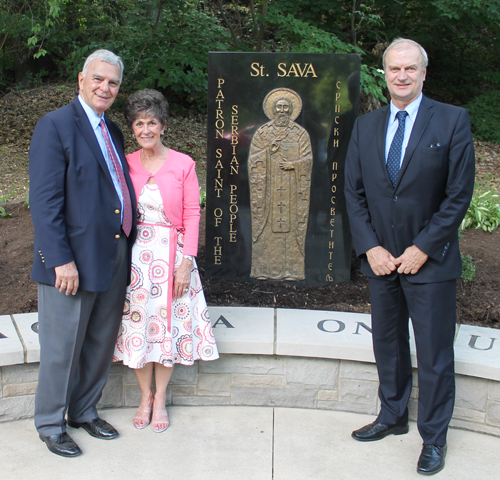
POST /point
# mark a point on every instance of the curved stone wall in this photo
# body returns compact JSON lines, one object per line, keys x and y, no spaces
{"x":272,"y":357}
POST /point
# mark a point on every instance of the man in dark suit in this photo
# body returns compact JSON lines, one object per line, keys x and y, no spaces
{"x":82,"y":204}
{"x":409,"y":181}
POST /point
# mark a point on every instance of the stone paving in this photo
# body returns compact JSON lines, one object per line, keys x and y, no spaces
{"x":241,"y":443}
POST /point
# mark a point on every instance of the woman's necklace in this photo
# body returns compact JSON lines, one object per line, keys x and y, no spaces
{"x":152,"y":167}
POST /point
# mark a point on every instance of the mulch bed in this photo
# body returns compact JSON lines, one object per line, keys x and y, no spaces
{"x":478,"y":301}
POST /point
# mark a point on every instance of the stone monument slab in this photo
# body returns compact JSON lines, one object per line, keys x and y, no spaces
{"x":27,"y":326}
{"x":477,"y":352}
{"x":11,"y":348}
{"x":324,"y":334}
{"x":245,"y":330}
{"x":279,"y":125}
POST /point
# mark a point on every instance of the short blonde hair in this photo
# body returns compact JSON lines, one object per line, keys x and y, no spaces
{"x":398,"y":43}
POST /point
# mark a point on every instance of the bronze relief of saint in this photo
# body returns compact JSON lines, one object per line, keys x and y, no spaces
{"x":279,"y":168}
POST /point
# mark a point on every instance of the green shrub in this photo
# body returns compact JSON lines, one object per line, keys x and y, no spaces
{"x":4,"y":214}
{"x":468,"y":268}
{"x":203,"y":198}
{"x":485,"y":116}
{"x":483,"y":212}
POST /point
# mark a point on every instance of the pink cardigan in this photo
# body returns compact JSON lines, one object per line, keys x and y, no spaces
{"x":179,"y":189}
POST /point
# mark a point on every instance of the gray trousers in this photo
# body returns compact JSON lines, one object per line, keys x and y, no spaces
{"x":77,"y":336}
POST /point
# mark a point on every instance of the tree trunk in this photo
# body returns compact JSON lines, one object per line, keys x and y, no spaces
{"x":260,"y":31}
{"x":23,"y":60}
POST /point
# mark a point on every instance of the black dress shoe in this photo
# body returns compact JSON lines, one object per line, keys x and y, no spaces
{"x":431,"y":459}
{"x":98,"y":428}
{"x":377,"y":431}
{"x":61,"y":444}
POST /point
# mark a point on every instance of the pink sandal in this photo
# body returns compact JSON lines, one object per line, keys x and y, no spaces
{"x":160,"y":420}
{"x":143,"y":416}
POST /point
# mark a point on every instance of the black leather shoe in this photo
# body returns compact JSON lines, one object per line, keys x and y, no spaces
{"x":377,"y":431}
{"x":61,"y":444}
{"x":431,"y":459}
{"x":98,"y":428}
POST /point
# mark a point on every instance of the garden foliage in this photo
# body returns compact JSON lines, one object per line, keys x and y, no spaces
{"x":483,"y":212}
{"x":165,"y":42}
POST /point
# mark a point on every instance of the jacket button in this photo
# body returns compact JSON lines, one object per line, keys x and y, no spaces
{"x":117,"y":211}
{"x":117,"y":236}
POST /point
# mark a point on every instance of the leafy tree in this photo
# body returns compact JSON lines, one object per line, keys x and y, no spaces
{"x":24,"y":26}
{"x":176,"y":59}
{"x":314,"y":26}
{"x":460,"y":36}
{"x":165,"y":42}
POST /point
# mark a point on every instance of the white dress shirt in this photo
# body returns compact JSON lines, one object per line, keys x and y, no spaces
{"x":94,"y":120}
{"x":412,"y":110}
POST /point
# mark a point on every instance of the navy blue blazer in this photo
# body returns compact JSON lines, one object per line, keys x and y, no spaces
{"x":74,"y":204}
{"x":431,"y":196}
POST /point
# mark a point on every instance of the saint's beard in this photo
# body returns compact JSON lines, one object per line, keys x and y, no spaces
{"x":281,"y":119}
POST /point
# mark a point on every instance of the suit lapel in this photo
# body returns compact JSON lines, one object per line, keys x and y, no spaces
{"x":88,"y":134}
{"x":424,"y":115}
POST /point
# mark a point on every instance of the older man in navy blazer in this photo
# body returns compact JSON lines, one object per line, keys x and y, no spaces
{"x":409,"y":181}
{"x":82,"y":204}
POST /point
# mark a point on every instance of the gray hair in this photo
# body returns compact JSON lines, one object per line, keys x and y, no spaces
{"x":148,"y":103}
{"x":104,"y":56}
{"x":398,"y":43}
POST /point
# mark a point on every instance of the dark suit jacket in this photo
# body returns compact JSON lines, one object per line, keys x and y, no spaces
{"x":73,"y":201}
{"x":431,"y":196}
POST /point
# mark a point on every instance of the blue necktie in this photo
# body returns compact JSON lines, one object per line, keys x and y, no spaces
{"x":394,"y":157}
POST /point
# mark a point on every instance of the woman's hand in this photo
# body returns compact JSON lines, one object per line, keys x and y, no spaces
{"x":182,"y":278}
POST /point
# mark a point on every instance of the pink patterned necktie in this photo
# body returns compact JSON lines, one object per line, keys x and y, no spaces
{"x":127,"y":207}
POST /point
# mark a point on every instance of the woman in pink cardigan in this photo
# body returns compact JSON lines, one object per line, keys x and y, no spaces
{"x":165,"y":319}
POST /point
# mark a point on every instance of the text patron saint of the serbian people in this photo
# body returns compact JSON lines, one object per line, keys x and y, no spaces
{"x":279,"y":166}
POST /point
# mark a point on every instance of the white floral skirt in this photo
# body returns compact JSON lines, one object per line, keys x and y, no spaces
{"x":154,"y":327}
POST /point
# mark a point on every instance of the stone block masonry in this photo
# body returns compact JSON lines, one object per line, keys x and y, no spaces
{"x":274,"y":357}
{"x":264,"y":380}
